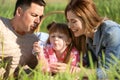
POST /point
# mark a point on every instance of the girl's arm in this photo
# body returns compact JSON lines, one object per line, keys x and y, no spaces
{"x":42,"y":61}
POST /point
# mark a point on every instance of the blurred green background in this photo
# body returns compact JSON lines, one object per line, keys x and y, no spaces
{"x":106,"y":8}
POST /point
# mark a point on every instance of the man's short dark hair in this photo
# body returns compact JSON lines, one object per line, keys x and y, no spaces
{"x":21,"y":3}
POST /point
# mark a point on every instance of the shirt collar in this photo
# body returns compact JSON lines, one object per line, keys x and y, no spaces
{"x":96,"y":37}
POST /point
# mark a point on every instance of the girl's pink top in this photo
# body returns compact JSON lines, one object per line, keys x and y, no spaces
{"x":51,"y":57}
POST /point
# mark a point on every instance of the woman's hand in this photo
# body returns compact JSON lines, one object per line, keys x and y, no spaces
{"x":58,"y":67}
{"x":74,"y":69}
{"x":61,"y":67}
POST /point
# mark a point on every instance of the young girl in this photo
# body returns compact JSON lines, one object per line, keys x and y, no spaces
{"x":59,"y":49}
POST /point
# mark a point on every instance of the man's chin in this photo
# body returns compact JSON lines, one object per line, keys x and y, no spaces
{"x":30,"y":32}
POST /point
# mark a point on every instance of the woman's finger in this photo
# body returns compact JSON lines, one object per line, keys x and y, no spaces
{"x":58,"y":67}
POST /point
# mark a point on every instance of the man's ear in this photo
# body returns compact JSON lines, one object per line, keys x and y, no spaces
{"x":19,"y":11}
{"x":69,"y":41}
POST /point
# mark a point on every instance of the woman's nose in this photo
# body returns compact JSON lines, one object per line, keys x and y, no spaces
{"x":70,"y":25}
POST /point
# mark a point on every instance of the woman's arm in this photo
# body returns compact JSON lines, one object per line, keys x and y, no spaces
{"x":110,"y":48}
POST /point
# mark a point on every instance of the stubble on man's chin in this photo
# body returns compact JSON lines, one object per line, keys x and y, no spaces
{"x":31,"y":32}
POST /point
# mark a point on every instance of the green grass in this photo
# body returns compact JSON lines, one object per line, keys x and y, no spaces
{"x":106,"y":8}
{"x":109,"y":8}
{"x":53,"y":17}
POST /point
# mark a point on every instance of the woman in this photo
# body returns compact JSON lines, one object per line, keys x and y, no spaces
{"x":94,"y":33}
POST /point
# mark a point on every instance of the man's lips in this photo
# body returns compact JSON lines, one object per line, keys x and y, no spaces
{"x":75,"y":30}
{"x":34,"y":26}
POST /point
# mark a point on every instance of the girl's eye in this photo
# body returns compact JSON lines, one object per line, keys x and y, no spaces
{"x":57,"y":36}
{"x":52,"y":36}
{"x":60,"y":36}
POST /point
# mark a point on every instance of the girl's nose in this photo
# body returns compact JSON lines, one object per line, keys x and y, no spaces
{"x":56,"y":38}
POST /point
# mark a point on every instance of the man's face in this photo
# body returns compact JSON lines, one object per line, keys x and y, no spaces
{"x":30,"y":18}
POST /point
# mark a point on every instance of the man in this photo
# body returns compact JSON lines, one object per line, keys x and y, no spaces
{"x":17,"y":38}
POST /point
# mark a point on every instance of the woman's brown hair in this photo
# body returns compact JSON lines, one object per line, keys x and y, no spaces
{"x":86,"y":10}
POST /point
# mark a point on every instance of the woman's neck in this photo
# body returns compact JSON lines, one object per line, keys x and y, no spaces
{"x":91,"y":34}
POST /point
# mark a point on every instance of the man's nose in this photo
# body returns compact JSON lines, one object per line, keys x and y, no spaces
{"x":37,"y":20}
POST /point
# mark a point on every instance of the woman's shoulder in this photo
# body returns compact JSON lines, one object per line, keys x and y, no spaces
{"x":109,"y":26}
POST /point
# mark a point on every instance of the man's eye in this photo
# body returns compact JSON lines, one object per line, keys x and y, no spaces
{"x":41,"y":17}
{"x":34,"y":15}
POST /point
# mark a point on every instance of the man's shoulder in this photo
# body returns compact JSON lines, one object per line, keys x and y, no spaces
{"x":2,"y":20}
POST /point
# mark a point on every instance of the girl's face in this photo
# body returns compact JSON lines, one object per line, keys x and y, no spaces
{"x":75,"y":24}
{"x":59,"y":41}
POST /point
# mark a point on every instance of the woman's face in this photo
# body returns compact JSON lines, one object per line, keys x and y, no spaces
{"x":75,"y":24}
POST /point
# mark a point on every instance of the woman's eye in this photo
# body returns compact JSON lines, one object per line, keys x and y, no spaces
{"x":73,"y":21}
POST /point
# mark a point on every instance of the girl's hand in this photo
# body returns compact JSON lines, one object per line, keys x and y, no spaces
{"x":42,"y":61}
{"x":37,"y":50}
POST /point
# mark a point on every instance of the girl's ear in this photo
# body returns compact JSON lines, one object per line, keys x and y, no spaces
{"x":69,"y":41}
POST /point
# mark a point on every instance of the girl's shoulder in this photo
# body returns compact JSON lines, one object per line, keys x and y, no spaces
{"x":48,"y":48}
{"x":74,"y":50}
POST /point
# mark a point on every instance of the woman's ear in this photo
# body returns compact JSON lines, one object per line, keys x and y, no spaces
{"x":69,"y":41}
